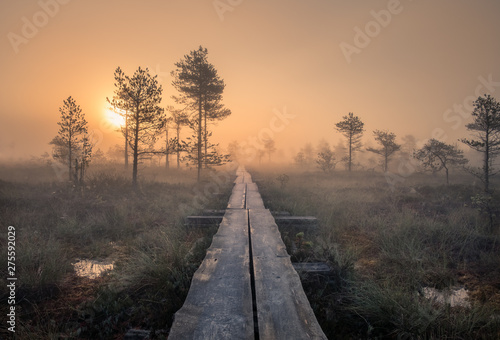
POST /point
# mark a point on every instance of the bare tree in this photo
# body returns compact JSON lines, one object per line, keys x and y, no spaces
{"x":72,"y":142}
{"x":352,"y":129}
{"x":387,"y":141}
{"x":486,"y":130}
{"x":140,"y":95}
{"x":436,"y":155}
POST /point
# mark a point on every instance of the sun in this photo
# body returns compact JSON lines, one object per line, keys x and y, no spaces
{"x":114,"y":118}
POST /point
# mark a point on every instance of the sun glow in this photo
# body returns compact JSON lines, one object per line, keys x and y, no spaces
{"x":114,"y":118}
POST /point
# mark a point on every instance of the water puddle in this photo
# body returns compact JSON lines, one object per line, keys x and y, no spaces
{"x":455,"y":297}
{"x":92,"y":269}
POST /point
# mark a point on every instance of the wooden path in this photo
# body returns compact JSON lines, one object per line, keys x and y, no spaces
{"x":246,"y":287}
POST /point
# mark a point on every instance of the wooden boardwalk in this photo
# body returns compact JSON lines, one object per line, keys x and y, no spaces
{"x":246,"y":287}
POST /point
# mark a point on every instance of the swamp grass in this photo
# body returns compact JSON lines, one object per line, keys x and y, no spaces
{"x":142,"y":231}
{"x":386,"y":244}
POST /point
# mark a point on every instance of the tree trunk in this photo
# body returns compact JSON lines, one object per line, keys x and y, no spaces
{"x":447,"y":177}
{"x":205,"y":137}
{"x":135,"y":148}
{"x":82,"y":172}
{"x":350,"y":152}
{"x":200,"y":120}
{"x":178,"y":151}
{"x":75,"y":176}
{"x":487,"y":164}
{"x":167,"y":150}
{"x":126,"y":140}
{"x":70,"y":156}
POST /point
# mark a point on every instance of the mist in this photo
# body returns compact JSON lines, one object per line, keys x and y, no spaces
{"x":365,"y":136}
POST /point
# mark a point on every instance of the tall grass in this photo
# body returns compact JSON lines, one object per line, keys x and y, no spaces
{"x":142,"y":231}
{"x":386,"y":244}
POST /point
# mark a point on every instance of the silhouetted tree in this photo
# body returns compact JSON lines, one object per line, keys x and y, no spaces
{"x":140,"y":96}
{"x":269,"y":147}
{"x":409,"y":144}
{"x":326,"y":158}
{"x":115,"y":152}
{"x":387,"y":141}
{"x":260,"y":154}
{"x":171,"y":144}
{"x":180,"y":119}
{"x":121,"y":107}
{"x":309,"y":152}
{"x":300,"y":159}
{"x":436,"y":155}
{"x":213,"y":110}
{"x":352,"y":129}
{"x":98,"y":156}
{"x":234,"y":151}
{"x":72,"y":145}
{"x":201,"y":91}
{"x":486,"y":128}
{"x":124,"y":129}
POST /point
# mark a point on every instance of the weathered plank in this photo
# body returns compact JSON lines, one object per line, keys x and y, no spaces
{"x":219,"y":302}
{"x":254,"y":200}
{"x":297,"y":221}
{"x":282,"y":307}
{"x":237,"y":199}
{"x":226,"y":287}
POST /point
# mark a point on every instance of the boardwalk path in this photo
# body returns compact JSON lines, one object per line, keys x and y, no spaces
{"x":246,"y":287}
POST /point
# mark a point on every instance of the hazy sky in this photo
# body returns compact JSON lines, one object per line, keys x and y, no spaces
{"x":399,"y":65}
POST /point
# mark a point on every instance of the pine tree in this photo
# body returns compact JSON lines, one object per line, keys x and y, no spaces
{"x":200,"y":89}
{"x":179,"y":119}
{"x":72,"y":144}
{"x":436,"y":155}
{"x":140,"y":96}
{"x":387,"y":141}
{"x":352,"y":129}
{"x":326,"y":157}
{"x":486,"y":126}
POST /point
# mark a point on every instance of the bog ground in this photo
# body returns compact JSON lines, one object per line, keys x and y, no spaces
{"x":396,"y":253}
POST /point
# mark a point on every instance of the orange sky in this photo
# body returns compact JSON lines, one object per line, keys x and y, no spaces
{"x":422,"y":61}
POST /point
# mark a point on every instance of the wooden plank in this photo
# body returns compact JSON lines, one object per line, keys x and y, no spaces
{"x":237,"y":199}
{"x":282,"y":307}
{"x":247,"y":178}
{"x":219,"y":302}
{"x":254,"y":200}
{"x":241,"y":173}
{"x":297,"y":221}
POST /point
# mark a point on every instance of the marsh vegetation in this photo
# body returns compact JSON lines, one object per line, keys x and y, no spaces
{"x":396,"y":253}
{"x":141,"y":231}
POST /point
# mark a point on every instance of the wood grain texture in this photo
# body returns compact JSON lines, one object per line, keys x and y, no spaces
{"x":283,"y":309}
{"x":219,"y":302}
{"x":237,"y":199}
{"x":254,"y":200}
